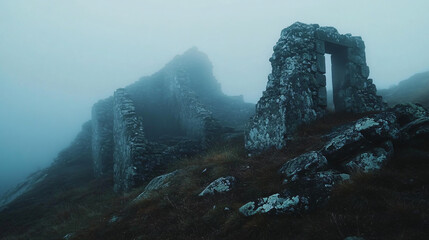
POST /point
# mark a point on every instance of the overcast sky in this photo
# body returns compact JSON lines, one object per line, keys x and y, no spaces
{"x":59,"y":57}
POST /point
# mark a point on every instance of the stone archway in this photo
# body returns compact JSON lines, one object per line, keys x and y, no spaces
{"x":296,"y":88}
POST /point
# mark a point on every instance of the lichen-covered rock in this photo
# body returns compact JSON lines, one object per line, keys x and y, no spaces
{"x":371,"y":160}
{"x":364,"y":133}
{"x":361,"y":146}
{"x":300,"y":194}
{"x":296,"y":88}
{"x":315,"y":187}
{"x":156,"y":184}
{"x":409,"y":112}
{"x":220,"y":185}
{"x":273,"y":204}
{"x":308,"y":162}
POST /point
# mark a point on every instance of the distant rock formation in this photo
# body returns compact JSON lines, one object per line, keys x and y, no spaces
{"x":176,"y":112}
{"x":296,"y":88}
{"x":412,"y":90}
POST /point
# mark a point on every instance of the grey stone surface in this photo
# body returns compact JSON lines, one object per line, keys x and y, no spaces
{"x":273,"y":204}
{"x":296,"y":92}
{"x":361,"y":146}
{"x":220,"y":185}
{"x":365,"y":133}
{"x":131,"y":163}
{"x":373,"y":159}
{"x":307,"y":162}
{"x":156,"y":184}
{"x":177,"y":112}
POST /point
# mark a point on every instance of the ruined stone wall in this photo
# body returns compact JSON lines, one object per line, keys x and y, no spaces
{"x":102,"y":136}
{"x":196,"y":121}
{"x":296,"y":88}
{"x":130,"y":144}
{"x":161,"y":118}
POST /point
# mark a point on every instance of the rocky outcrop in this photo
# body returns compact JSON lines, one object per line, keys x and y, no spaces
{"x":362,"y":146}
{"x":220,"y":185}
{"x":296,"y":88}
{"x":79,"y":151}
{"x":22,"y":188}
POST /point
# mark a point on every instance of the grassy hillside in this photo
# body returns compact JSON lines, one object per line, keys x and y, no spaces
{"x":414,"y":89}
{"x":389,"y":204}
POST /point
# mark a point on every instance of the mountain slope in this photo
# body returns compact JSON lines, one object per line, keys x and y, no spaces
{"x":414,"y":89}
{"x":386,"y":204}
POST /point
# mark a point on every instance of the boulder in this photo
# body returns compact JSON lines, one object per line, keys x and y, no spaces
{"x":220,"y":185}
{"x":364,"y":133}
{"x":156,"y":184}
{"x":371,"y":160}
{"x":273,"y":204}
{"x":307,"y":162}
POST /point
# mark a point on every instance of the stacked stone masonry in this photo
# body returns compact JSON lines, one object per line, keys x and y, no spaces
{"x":177,"y":112}
{"x":296,"y":89}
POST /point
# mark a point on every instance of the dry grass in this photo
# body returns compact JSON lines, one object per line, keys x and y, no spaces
{"x":389,"y":204}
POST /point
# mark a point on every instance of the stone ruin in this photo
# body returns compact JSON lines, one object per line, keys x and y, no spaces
{"x":296,"y":89}
{"x":176,"y":112}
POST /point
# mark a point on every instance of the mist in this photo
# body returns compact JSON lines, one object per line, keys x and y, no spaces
{"x":57,"y":58}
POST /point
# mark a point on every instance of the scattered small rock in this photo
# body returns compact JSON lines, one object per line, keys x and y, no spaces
{"x":68,"y":236}
{"x":114,"y":219}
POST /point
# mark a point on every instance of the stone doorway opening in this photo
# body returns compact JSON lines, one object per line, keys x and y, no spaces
{"x":335,"y":72}
{"x":329,"y":93}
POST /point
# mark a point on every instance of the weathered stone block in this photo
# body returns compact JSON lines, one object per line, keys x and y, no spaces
{"x":321,"y":63}
{"x":320,"y":47}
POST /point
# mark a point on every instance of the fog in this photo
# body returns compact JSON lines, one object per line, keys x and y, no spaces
{"x":59,"y":57}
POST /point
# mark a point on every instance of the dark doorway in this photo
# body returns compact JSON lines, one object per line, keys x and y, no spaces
{"x":335,"y":75}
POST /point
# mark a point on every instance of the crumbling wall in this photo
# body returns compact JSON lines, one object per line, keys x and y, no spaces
{"x":102,"y":136}
{"x":130,"y":160}
{"x":296,"y":88}
{"x":196,"y":121}
{"x":162,"y":118}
